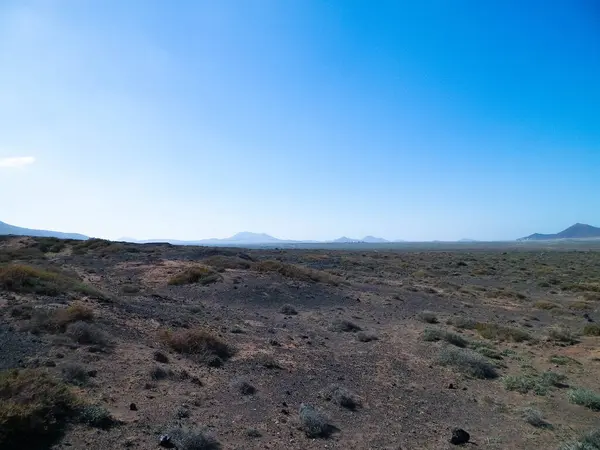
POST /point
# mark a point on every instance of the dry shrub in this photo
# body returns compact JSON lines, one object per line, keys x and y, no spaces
{"x":197,"y":342}
{"x":199,"y":274}
{"x":295,"y":272}
{"x":502,"y":333}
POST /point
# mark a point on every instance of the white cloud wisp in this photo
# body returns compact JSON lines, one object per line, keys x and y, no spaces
{"x":16,"y":162}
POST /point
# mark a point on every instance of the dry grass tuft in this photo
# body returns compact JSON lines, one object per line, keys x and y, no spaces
{"x":200,"y":274}
{"x":295,"y":272}
{"x":197,"y":342}
{"x":502,"y":333}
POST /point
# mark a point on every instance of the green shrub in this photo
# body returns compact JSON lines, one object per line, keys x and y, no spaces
{"x":434,"y":334}
{"x":462,"y":323}
{"x":34,"y":408}
{"x":314,"y":423}
{"x":427,"y":317}
{"x":97,"y":416}
{"x":534,"y":418}
{"x":193,"y":439}
{"x":562,"y":335}
{"x":27,"y":279}
{"x":468,"y":362}
{"x":539,"y":384}
{"x":590,"y":441}
{"x":585,"y":397}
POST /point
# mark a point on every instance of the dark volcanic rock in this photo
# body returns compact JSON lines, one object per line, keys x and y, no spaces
{"x":459,"y":436}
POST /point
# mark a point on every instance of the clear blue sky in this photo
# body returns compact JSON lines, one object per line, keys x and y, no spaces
{"x":300,"y":118}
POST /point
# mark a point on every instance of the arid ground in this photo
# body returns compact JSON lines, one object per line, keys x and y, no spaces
{"x":110,"y":345}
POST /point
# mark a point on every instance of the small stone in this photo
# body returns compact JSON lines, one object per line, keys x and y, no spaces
{"x":451,"y":386}
{"x":459,"y":436}
{"x":50,"y":363}
{"x":161,"y":357}
{"x":132,"y":407}
{"x":92,"y":373}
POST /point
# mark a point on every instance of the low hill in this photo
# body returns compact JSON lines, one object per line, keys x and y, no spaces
{"x":577,"y":231}
{"x":5,"y":229}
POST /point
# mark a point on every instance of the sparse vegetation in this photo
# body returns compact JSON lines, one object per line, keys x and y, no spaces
{"x":244,"y":387}
{"x":34,"y":408}
{"x":435,"y":334}
{"x":87,"y":334}
{"x":364,"y":336}
{"x":345,"y":326}
{"x":27,"y":279}
{"x":428,"y":317}
{"x":534,"y":418}
{"x":200,"y":274}
{"x":563,"y":360}
{"x":76,"y":374}
{"x":543,"y":304}
{"x":295,"y":272}
{"x":462,"y":322}
{"x":341,"y":396}
{"x":97,"y":416}
{"x":562,"y":335}
{"x":539,"y":384}
{"x":197,"y":342}
{"x":585,"y":397}
{"x":468,"y":362}
{"x":591,"y":329}
{"x":314,"y":423}
{"x":193,"y":439}
{"x":288,"y":310}
{"x":589,"y":441}
{"x":497,"y":332}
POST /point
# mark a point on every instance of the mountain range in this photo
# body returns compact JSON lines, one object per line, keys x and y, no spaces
{"x":19,"y":231}
{"x":577,"y":231}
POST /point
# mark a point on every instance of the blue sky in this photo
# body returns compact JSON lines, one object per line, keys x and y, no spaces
{"x":300,"y":118}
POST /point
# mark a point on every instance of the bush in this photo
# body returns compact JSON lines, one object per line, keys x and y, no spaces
{"x":199,"y":274}
{"x":314,"y":423}
{"x":468,"y":362}
{"x":244,"y":387}
{"x":34,"y":408}
{"x":295,"y":272}
{"x":193,"y":439}
{"x":502,"y":333}
{"x":97,"y":417}
{"x":341,"y":396}
{"x":434,"y":334}
{"x":562,"y":335}
{"x":539,"y":384}
{"x":75,"y":374}
{"x":345,"y":326}
{"x":363,"y":336}
{"x":462,"y":323}
{"x":585,"y":397}
{"x":535,"y":418}
{"x":427,"y":317}
{"x":157,"y":373}
{"x":87,"y":334}
{"x":27,"y":279}
{"x":253,"y":433}
{"x":591,"y":329}
{"x":590,"y":441}
{"x":197,"y":342}
{"x":543,"y":304}
{"x":288,"y":310}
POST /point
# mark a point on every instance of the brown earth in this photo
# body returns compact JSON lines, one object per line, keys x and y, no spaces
{"x":408,"y":399}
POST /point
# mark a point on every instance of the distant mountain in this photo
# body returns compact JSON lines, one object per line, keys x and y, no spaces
{"x":345,"y":240}
{"x":374,"y":240}
{"x":577,"y":231}
{"x":467,"y":240}
{"x":18,"y":231}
